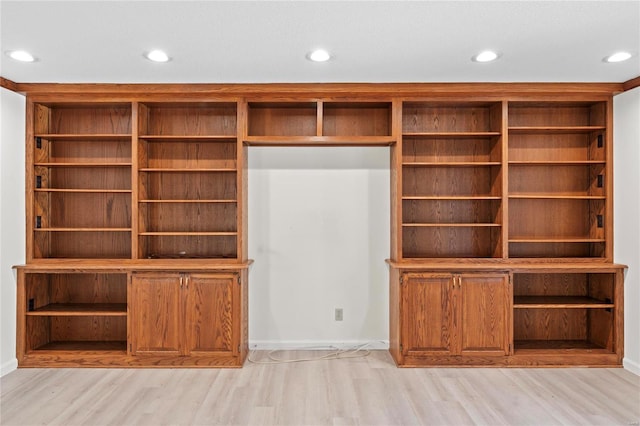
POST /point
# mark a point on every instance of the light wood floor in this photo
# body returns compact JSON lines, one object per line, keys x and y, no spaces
{"x":364,"y":391}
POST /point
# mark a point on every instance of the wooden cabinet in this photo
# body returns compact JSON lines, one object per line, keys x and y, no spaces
{"x":446,"y":314}
{"x":487,"y":181}
{"x":183,"y":313}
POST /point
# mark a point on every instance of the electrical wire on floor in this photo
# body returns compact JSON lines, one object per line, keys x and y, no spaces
{"x":359,"y":351}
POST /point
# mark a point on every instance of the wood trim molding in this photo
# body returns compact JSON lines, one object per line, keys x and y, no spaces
{"x":8,"y":84}
{"x":631,"y":84}
{"x":333,"y":90}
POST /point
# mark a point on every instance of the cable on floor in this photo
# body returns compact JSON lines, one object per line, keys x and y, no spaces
{"x":359,"y":351}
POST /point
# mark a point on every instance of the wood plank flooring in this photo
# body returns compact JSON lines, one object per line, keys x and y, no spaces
{"x":359,"y":391}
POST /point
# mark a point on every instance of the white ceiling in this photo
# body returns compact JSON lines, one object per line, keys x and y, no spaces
{"x":265,"y":41}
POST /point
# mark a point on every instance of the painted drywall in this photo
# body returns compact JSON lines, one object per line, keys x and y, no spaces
{"x":319,"y":235}
{"x":12,"y":218}
{"x":626,"y":176}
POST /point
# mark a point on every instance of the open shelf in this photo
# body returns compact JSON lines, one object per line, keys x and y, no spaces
{"x":557,"y":114}
{"x":188,"y":246}
{"x":559,"y":302}
{"x":83,"y":119}
{"x":188,"y":185}
{"x":554,"y":347}
{"x":554,"y":129}
{"x":283,"y":119}
{"x":168,"y":119}
{"x":560,"y":311}
{"x":465,"y":212}
{"x":82,"y":244}
{"x":319,"y":123}
{"x":451,"y":179}
{"x":451,"y":117}
{"x":469,"y":181}
{"x":187,"y":154}
{"x":81,"y":309}
{"x":451,"y":241}
{"x":116,"y":347}
{"x":365,"y":119}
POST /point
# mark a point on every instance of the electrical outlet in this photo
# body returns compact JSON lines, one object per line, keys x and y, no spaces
{"x":338,"y":314}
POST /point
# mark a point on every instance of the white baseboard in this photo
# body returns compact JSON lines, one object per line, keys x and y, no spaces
{"x":8,"y":367}
{"x":269,"y":345}
{"x":632,"y":366}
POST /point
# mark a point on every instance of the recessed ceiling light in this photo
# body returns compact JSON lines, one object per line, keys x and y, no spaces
{"x":618,"y":57}
{"x":157,"y":56}
{"x":485,"y":56}
{"x":21,"y":55}
{"x":319,"y":55}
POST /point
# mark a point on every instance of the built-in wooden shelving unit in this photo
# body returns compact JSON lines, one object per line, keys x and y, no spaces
{"x":501,"y":219}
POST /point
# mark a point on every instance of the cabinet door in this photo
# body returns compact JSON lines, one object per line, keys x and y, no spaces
{"x":156,"y":311}
{"x":427,"y":320}
{"x":209,"y":313}
{"x":484,"y":314}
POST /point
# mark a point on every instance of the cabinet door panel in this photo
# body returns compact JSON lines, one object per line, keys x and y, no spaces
{"x":485,"y":307}
{"x":427,"y":322}
{"x":209,"y":308}
{"x":156,"y":314}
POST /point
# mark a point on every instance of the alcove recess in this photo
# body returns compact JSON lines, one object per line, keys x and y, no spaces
{"x":501,"y":219}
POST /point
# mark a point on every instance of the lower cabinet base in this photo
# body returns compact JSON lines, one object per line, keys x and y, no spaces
{"x":49,"y":359}
{"x":516,"y":361}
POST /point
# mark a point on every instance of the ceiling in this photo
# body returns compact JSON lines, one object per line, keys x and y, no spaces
{"x":266,"y":41}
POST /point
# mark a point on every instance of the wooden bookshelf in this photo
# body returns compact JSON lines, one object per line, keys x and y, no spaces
{"x":501,"y":219}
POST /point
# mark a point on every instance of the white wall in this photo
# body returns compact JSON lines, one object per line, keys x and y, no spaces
{"x":12,"y":218}
{"x":626,"y":176}
{"x":319,"y":235}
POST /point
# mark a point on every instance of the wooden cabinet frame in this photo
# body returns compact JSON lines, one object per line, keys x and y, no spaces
{"x":478,"y":172}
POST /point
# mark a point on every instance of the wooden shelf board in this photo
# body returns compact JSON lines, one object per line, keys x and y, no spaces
{"x":210,"y":234}
{"x":547,"y":240}
{"x":451,"y":225}
{"x":555,"y":162}
{"x":453,"y":164}
{"x":155,"y":257}
{"x":115,"y":266}
{"x":188,"y":201}
{"x":556,"y":197}
{"x":80,"y":191}
{"x":320,"y":140}
{"x":452,"y":197}
{"x":520,"y":265}
{"x":83,"y":164}
{"x":555,"y":345}
{"x":558,"y":302}
{"x":82,"y":229}
{"x":88,"y":137}
{"x":451,"y":135}
{"x":555,"y":129}
{"x":183,"y":170}
{"x":81,"y":309}
{"x":84,"y":346}
{"x":188,"y":138}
